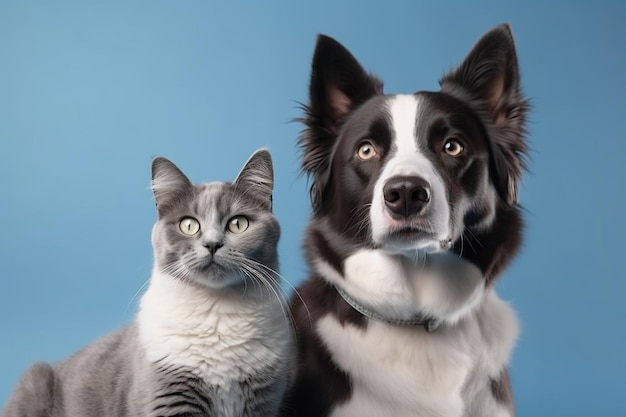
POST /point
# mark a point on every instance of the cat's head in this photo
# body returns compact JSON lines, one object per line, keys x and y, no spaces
{"x":216,"y":234}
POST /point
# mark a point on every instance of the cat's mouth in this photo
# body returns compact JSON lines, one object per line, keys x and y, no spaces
{"x":215,"y":274}
{"x":209,"y":265}
{"x":212,"y":268}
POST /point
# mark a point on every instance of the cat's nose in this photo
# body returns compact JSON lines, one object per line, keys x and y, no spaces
{"x":213,"y":246}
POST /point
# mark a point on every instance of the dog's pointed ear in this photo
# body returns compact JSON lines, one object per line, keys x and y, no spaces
{"x":338,"y":85}
{"x":489,"y":78}
{"x":338,"y":82}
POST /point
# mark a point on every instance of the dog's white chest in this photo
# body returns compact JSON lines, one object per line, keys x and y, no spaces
{"x":406,"y":371}
{"x":399,"y":371}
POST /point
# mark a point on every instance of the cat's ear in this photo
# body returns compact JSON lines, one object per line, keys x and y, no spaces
{"x":257,"y":177}
{"x":169,"y":184}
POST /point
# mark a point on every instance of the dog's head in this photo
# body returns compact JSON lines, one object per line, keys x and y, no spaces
{"x":407,"y":173}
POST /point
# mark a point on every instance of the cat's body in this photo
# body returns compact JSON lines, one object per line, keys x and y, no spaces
{"x":210,"y":338}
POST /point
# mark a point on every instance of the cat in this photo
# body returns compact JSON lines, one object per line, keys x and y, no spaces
{"x":211,"y":337}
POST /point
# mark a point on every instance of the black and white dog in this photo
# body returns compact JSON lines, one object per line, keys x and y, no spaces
{"x":415,"y":214}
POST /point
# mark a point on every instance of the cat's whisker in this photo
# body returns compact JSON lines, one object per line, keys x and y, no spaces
{"x":238,"y":259}
{"x":169,"y":268}
{"x":270,"y":275}
{"x":134,"y":297}
{"x":269,"y":282}
{"x":295,"y":290}
{"x":177,"y":270}
{"x":283,"y":298}
{"x":243,"y":275}
{"x":252,"y":278}
{"x":258,"y":276}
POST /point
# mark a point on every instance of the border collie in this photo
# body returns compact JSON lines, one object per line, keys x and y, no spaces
{"x":415,"y":214}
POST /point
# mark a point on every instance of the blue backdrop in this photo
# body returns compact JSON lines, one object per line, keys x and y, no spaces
{"x":90,"y":93}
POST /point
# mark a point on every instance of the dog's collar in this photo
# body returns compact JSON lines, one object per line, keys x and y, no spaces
{"x":430,"y":324}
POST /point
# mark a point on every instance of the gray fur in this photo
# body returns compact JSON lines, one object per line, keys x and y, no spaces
{"x":130,"y":372}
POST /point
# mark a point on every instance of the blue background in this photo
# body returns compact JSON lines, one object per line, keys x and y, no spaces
{"x":90,"y":93}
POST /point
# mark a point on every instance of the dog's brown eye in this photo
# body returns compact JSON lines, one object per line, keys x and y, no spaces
{"x":453,"y":147}
{"x":366,"y":151}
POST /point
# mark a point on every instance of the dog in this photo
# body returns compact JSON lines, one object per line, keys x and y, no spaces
{"x":415,"y":214}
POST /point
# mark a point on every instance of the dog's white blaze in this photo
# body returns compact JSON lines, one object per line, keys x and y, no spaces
{"x":403,"y":109}
{"x":405,"y":371}
{"x":408,"y":160}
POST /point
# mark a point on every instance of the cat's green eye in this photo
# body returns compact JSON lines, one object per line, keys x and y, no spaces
{"x":189,"y":226}
{"x":238,"y":224}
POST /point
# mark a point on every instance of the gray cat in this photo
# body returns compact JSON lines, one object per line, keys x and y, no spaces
{"x":211,"y":337}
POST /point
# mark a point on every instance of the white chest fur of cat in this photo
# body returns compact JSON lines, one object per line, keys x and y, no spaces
{"x":223,"y":339}
{"x":211,"y":337}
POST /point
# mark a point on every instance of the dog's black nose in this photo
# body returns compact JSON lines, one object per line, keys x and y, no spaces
{"x":405,"y":196}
